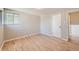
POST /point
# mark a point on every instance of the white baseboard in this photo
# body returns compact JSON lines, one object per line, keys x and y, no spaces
{"x":61,"y":38}
{"x":65,"y":39}
{"x":33,"y":34}
{"x":46,"y":34}
{"x":54,"y":36}
{"x":22,"y":36}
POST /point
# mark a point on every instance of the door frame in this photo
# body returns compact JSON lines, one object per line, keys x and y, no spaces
{"x":69,"y":24}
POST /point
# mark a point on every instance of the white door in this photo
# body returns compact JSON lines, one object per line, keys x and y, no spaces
{"x":56,"y":25}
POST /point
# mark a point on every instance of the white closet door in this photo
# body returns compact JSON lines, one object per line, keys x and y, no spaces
{"x":56,"y":25}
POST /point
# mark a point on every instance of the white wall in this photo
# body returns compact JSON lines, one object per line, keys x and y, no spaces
{"x":46,"y":24}
{"x":65,"y":26}
{"x":28,"y":24}
{"x":33,"y":24}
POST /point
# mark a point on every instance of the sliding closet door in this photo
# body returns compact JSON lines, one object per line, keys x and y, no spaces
{"x":56,"y":25}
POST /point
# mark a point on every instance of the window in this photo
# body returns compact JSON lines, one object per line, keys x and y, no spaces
{"x":16,"y":19}
{"x":11,"y":18}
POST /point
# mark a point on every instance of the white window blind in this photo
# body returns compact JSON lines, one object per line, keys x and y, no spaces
{"x":11,"y":18}
{"x":16,"y":19}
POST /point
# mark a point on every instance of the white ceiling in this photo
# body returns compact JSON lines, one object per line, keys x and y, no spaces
{"x":45,"y":11}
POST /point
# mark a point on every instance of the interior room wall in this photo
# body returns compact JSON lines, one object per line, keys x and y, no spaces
{"x":28,"y":24}
{"x":33,"y":24}
{"x":46,"y":25}
{"x":65,"y":26}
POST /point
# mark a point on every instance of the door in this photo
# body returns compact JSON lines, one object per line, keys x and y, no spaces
{"x":56,"y":25}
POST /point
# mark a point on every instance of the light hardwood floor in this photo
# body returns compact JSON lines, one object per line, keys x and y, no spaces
{"x":74,"y":39}
{"x":39,"y":43}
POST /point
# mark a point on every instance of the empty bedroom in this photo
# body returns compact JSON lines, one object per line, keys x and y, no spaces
{"x":39,"y":29}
